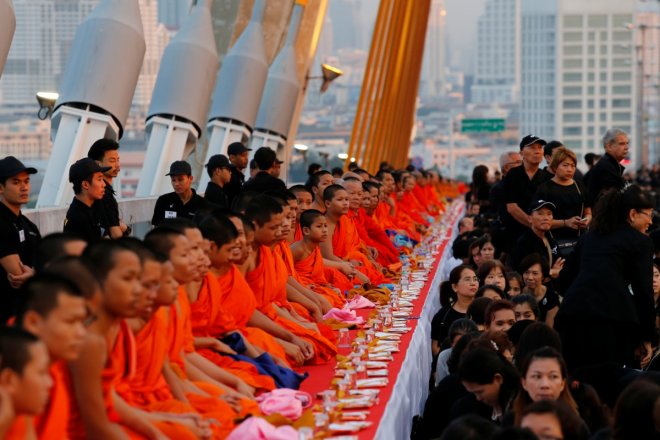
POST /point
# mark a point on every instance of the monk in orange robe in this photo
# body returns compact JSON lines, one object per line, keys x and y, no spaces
{"x":24,"y":394}
{"x":409,"y":204}
{"x":107,"y":355}
{"x":60,"y":325}
{"x":267,"y":276}
{"x":308,"y":259}
{"x":318,"y":182}
{"x":183,"y":241}
{"x":370,"y":201}
{"x":345,"y":243}
{"x":386,"y":215}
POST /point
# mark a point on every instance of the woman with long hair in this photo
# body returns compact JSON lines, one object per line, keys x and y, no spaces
{"x":608,"y":311}
{"x":456,"y":294}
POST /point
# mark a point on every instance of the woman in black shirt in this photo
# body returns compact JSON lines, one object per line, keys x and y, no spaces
{"x":572,"y":213}
{"x":456,"y":294}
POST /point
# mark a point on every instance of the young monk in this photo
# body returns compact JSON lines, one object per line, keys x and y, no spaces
{"x":304,"y":197}
{"x":386,"y":214}
{"x":154,"y":387}
{"x":214,"y":314}
{"x":345,"y":243}
{"x":319,"y":181}
{"x":306,"y":303}
{"x":52,"y":308}
{"x":267,"y":276}
{"x":107,"y":355}
{"x":375,"y":235}
{"x":24,"y":382}
{"x":198,"y":375}
{"x":308,"y":259}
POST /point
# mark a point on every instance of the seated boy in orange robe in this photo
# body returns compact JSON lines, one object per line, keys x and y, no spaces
{"x":154,"y":387}
{"x":305,"y":198}
{"x":308,"y":259}
{"x":376,"y":234}
{"x":107,"y":354}
{"x":267,"y":275}
{"x":52,"y":308}
{"x":181,"y":239}
{"x":345,"y":243}
{"x":23,"y":386}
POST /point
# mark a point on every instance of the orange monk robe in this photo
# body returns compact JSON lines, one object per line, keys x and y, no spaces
{"x":312,"y":273}
{"x":297,"y":235}
{"x":383,"y":218}
{"x":19,"y":429}
{"x":411,"y":206}
{"x":180,"y":340}
{"x":337,"y":278}
{"x":120,"y":365}
{"x":147,"y":388}
{"x":282,"y":252}
{"x":237,"y":300}
{"x":268,"y":282}
{"x":205,"y":315}
{"x":366,"y":227}
{"x":347,"y":245}
{"x":52,"y":423}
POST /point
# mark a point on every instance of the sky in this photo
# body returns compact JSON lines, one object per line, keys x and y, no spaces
{"x":462,"y":16}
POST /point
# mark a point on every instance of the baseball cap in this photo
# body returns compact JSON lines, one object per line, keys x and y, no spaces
{"x":84,"y":168}
{"x":531,"y":139}
{"x":10,"y":167}
{"x":265,"y":158}
{"x":180,"y":168}
{"x":237,"y":148}
{"x":538,"y":204}
{"x":218,"y":161}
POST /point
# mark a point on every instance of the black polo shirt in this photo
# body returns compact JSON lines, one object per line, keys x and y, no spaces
{"x":520,"y":189}
{"x":170,"y":205}
{"x":529,"y":243}
{"x":84,"y":221}
{"x":216,"y":194}
{"x":107,"y":208}
{"x":263,"y":182}
{"x":234,"y":186}
{"x":18,"y":236}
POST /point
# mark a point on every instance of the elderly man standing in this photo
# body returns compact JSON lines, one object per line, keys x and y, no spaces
{"x":608,"y":171}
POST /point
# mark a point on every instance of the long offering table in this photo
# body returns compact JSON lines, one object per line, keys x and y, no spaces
{"x":389,"y":415}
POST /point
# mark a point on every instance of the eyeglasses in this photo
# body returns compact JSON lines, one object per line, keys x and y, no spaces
{"x":649,"y":214}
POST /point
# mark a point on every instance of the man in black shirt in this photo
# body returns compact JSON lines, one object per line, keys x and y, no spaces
{"x":608,"y":172}
{"x":106,"y":153}
{"x":269,"y":170}
{"x":220,"y":174}
{"x":18,"y":235}
{"x":86,"y":175}
{"x":520,"y":185}
{"x":184,"y":201}
{"x":238,"y":156}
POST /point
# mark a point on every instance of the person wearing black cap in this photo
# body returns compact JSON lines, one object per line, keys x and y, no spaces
{"x":220,"y":175}
{"x":184,"y":201}
{"x":106,"y":153}
{"x":18,"y":235}
{"x":537,"y":239}
{"x":269,"y":168}
{"x":86,"y":175}
{"x":520,"y":184}
{"x":238,"y":156}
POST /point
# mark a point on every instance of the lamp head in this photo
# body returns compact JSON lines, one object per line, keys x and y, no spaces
{"x":46,"y":102}
{"x":329,"y":74}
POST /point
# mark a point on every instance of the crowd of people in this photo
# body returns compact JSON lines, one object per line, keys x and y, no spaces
{"x":180,"y":333}
{"x":549,"y":318}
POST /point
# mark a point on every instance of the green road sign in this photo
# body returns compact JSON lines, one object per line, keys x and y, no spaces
{"x":482,"y":125}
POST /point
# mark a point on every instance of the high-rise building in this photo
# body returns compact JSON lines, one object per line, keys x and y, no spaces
{"x":433,"y":81}
{"x":39,"y":50}
{"x":578,"y":71}
{"x":172,"y":12}
{"x":497,"y":76}
{"x":156,"y":37}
